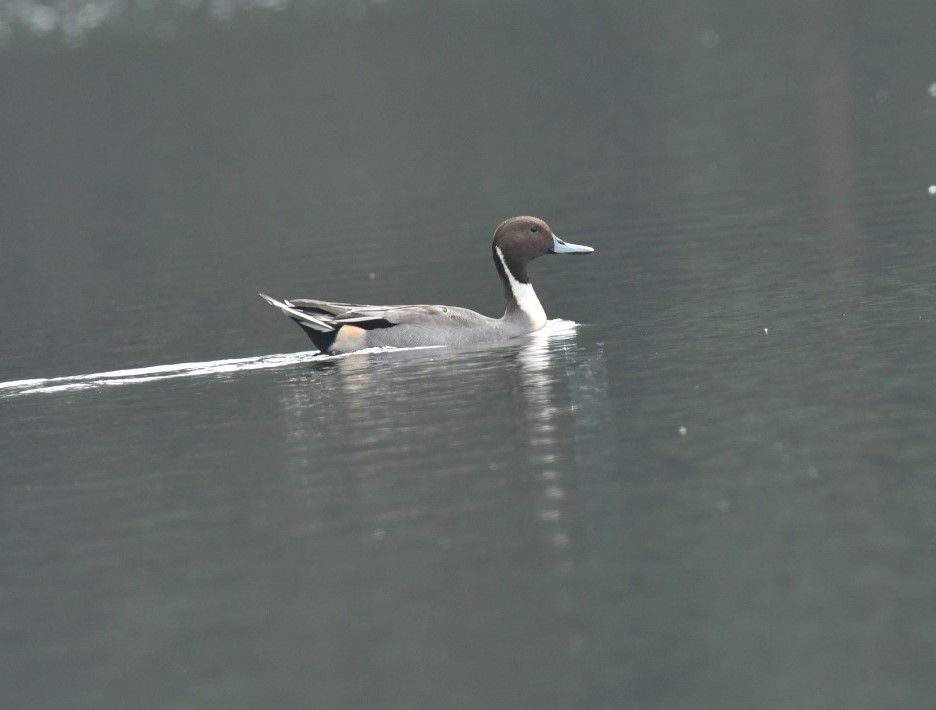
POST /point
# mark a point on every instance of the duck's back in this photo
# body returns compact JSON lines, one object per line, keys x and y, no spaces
{"x":417,"y":326}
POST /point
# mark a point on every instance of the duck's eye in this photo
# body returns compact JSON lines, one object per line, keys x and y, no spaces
{"x":534,"y":229}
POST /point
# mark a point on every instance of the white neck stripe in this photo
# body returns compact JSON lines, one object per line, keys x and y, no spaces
{"x":524,"y":295}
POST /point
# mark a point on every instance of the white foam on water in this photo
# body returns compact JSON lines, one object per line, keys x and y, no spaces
{"x":139,"y":375}
{"x":555,"y":326}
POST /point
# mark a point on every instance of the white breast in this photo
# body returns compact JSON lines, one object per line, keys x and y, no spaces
{"x":525,"y":296}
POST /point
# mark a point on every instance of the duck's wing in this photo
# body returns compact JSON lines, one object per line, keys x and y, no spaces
{"x":330,"y":315}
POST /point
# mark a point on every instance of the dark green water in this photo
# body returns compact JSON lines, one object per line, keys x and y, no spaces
{"x":717,"y":491}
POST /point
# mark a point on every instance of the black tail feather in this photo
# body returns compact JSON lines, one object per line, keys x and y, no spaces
{"x":323,"y":339}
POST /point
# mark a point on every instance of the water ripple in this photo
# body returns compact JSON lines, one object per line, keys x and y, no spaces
{"x":137,"y":375}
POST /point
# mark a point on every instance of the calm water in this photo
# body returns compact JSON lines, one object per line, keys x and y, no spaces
{"x":710,"y":484}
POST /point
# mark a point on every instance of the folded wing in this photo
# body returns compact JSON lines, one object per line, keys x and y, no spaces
{"x":329,"y":315}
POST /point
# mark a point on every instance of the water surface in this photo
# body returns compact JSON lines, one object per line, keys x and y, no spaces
{"x":709,"y":484}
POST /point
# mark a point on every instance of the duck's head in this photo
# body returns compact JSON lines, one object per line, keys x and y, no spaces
{"x":519,"y":240}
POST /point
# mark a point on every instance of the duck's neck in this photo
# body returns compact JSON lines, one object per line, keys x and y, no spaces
{"x":519,"y":293}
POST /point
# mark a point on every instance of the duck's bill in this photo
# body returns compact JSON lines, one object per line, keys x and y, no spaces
{"x":561,"y":247}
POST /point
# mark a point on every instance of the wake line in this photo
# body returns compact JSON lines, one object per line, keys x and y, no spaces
{"x":137,"y":375}
{"x":149,"y":374}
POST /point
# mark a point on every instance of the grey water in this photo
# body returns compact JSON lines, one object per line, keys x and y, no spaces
{"x":710,"y":483}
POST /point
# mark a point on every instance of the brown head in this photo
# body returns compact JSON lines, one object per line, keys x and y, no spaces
{"x":519,"y":240}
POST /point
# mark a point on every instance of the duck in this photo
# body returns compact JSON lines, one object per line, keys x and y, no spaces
{"x":339,"y":328}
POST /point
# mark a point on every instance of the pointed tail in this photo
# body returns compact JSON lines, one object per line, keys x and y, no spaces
{"x":320,"y":332}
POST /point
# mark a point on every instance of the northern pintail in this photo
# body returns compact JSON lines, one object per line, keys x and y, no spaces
{"x":346,"y":327}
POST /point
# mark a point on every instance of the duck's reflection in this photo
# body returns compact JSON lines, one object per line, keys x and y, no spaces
{"x":544,"y":411}
{"x":360,"y":421}
{"x":457,"y":478}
